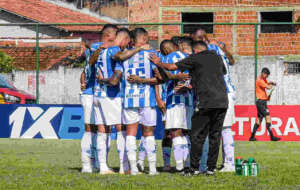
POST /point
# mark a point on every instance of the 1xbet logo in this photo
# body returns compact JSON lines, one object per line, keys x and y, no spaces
{"x":51,"y":123}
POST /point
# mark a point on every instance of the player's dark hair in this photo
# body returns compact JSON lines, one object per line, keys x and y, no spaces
{"x":123,"y":30}
{"x":195,"y":31}
{"x":199,"y":43}
{"x":162,"y":44}
{"x":176,"y":40}
{"x":187,"y":40}
{"x":138,"y":31}
{"x":266,"y":71}
{"x":106,"y":26}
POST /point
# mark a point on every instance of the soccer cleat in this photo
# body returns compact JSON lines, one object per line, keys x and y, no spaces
{"x":220,"y":167}
{"x":153,"y":173}
{"x":124,"y":172}
{"x":191,"y":172}
{"x":167,"y":169}
{"x":107,"y":172}
{"x":252,"y":139}
{"x":210,"y":172}
{"x":86,"y":169}
{"x":140,"y":166}
{"x":135,"y":172}
{"x":227,"y":168}
{"x":275,"y":139}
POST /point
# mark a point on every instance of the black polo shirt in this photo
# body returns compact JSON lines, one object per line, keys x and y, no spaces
{"x":207,"y":70}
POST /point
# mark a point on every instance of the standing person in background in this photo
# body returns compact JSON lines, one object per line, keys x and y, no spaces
{"x":87,"y":80}
{"x":261,"y":104}
{"x":227,"y":137}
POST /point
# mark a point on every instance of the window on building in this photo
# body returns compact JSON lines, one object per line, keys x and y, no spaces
{"x":279,"y":16}
{"x":197,"y":17}
{"x":293,"y":67}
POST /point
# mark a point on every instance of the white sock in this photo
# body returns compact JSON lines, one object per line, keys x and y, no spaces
{"x":108,"y":141}
{"x":131,"y":152}
{"x":142,"y":151}
{"x":121,"y":142}
{"x":178,"y":152}
{"x":95,"y":161}
{"x":228,"y":147}
{"x":186,"y":152}
{"x":151,"y":153}
{"x":86,"y":149}
{"x":101,"y":151}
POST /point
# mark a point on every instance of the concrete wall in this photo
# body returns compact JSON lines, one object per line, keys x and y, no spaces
{"x":287,"y":90}
{"x":59,"y":86}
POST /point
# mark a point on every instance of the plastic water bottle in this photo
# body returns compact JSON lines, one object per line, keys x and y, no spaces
{"x":245,"y":168}
{"x":253,"y":167}
{"x":238,"y":166}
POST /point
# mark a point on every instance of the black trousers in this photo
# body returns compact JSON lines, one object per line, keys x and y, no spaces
{"x":206,"y":122}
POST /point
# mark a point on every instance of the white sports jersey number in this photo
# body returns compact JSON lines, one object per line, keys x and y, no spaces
{"x":139,"y":72}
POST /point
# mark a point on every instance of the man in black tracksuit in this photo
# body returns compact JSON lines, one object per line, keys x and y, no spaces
{"x":206,"y":69}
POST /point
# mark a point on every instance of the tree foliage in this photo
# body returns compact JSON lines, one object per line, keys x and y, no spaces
{"x":5,"y":63}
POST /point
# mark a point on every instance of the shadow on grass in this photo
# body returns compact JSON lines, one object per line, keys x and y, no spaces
{"x":116,"y":169}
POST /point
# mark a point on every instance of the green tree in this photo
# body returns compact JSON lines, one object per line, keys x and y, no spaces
{"x":5,"y":63}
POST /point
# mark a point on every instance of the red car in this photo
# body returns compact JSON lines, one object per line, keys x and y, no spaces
{"x":9,"y":94}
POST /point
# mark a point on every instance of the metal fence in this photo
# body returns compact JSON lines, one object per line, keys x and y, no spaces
{"x":289,"y":64}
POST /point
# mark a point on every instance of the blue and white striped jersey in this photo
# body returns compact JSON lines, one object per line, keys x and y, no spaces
{"x":106,"y":65}
{"x":90,"y":71}
{"x":163,"y":94}
{"x":229,"y":86}
{"x":138,"y":95}
{"x":172,"y":97}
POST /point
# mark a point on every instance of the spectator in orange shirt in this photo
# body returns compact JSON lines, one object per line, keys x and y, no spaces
{"x":261,"y":104}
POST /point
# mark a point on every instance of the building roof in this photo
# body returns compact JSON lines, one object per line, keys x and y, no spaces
{"x":51,"y":53}
{"x":44,"y":12}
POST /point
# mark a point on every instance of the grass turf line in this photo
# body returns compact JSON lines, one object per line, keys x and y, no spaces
{"x":55,"y":164}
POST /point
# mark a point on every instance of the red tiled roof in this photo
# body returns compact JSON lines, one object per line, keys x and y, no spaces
{"x":44,"y":12}
{"x":51,"y":54}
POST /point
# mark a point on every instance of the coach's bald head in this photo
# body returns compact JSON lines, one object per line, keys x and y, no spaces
{"x":200,"y":35}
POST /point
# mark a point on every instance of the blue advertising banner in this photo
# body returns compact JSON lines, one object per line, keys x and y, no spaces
{"x":48,"y":122}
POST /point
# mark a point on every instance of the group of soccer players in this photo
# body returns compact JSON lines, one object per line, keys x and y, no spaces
{"x":123,"y":88}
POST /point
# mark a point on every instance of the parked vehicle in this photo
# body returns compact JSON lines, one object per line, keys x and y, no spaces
{"x":9,"y":94}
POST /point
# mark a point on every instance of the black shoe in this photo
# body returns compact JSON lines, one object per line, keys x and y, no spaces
{"x":275,"y":139}
{"x":191,"y":172}
{"x":252,"y":139}
{"x":210,"y":172}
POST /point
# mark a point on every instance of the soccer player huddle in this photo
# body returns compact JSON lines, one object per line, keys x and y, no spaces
{"x":123,"y":87}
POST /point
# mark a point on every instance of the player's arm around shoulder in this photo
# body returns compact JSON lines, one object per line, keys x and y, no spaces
{"x":227,"y":53}
{"x":126,"y":54}
{"x":112,"y":81}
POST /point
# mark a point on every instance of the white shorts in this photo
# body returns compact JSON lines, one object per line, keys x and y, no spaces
{"x":230,"y":114}
{"x":163,"y":117}
{"x":177,"y":117}
{"x":88,"y":110}
{"x":145,"y":116}
{"x":99,"y":116}
{"x":108,"y":110}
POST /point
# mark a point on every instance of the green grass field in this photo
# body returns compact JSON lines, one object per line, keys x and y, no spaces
{"x":55,"y":164}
